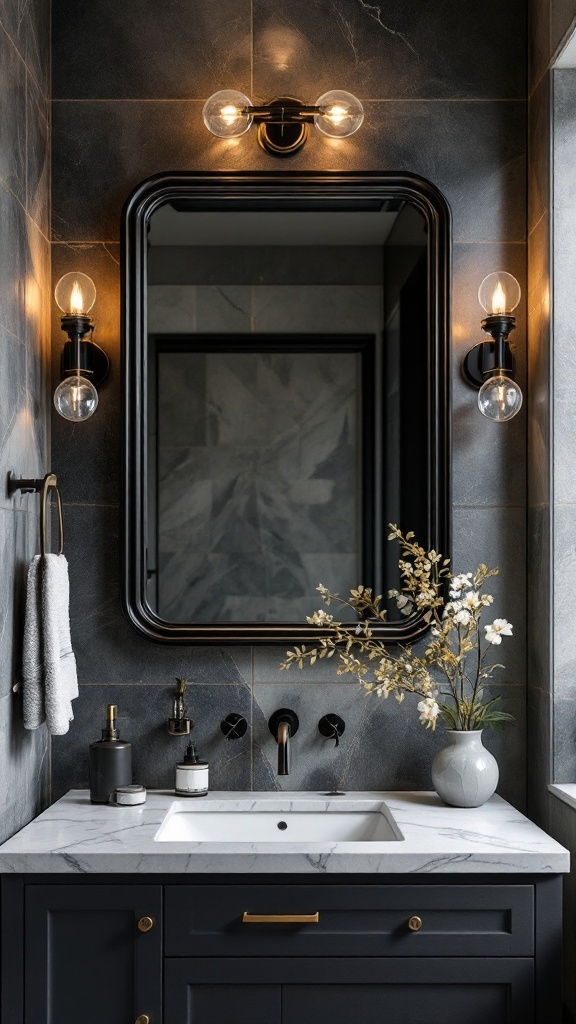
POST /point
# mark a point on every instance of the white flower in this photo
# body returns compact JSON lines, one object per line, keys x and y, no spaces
{"x":428,"y":709}
{"x":451,"y":608}
{"x":322,"y":589}
{"x":463,"y":617}
{"x":471,"y":600}
{"x":320,"y":618}
{"x":401,"y":600}
{"x":460,"y":583}
{"x":497,"y":629}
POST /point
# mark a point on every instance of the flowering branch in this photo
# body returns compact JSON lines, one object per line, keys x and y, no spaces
{"x":457,"y":649}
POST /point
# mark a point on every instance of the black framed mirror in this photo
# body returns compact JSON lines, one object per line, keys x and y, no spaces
{"x":287,"y":395}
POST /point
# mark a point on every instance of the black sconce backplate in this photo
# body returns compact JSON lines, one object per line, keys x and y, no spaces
{"x":481,"y":361}
{"x":94,"y":362}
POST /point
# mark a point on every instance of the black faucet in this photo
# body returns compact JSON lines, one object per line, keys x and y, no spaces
{"x":283,"y":724}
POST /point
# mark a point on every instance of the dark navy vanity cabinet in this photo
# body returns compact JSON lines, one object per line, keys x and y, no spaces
{"x":181,"y":950}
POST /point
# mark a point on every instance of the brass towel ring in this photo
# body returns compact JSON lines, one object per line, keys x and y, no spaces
{"x":50,"y":482}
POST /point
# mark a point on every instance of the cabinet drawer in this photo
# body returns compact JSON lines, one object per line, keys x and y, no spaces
{"x":374,"y":991}
{"x":353,"y":920}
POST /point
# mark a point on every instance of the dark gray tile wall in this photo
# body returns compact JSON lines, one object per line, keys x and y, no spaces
{"x":445,"y":98}
{"x":24,"y":373}
{"x":552,"y":500}
{"x":564,"y":433}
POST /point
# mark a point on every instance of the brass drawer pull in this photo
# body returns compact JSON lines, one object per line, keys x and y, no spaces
{"x":145,"y":924}
{"x":280,"y":918}
{"x":415,"y":923}
{"x":142,"y":1019}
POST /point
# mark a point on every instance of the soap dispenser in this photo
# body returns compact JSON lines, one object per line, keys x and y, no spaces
{"x":110,"y":761}
{"x":192,"y":774}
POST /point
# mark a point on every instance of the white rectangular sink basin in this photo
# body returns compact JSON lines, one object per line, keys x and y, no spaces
{"x":265,"y":821}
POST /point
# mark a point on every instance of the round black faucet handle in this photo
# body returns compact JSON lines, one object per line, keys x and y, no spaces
{"x":332,"y":726}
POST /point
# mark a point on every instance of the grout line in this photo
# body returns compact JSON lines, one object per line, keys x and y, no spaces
{"x":91,"y":504}
{"x":6,"y":187}
{"x":252,"y":49}
{"x":58,"y":241}
{"x":252,"y":719}
{"x":456,"y":241}
{"x":365,"y":99}
{"x":164,"y":685}
{"x":25,"y":63}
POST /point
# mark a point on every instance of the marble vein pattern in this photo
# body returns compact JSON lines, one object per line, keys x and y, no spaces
{"x":74,"y":836}
{"x":258,"y":471}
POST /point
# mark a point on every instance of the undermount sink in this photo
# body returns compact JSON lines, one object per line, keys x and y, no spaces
{"x":265,"y":821}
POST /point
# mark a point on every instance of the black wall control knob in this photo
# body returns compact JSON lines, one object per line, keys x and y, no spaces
{"x":332,"y":726}
{"x":234,"y":726}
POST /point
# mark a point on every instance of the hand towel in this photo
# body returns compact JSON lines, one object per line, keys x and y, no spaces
{"x":50,"y":682}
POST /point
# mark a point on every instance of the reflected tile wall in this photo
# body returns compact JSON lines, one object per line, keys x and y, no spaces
{"x":24,"y":375}
{"x":256,"y":494}
{"x":459,"y":122}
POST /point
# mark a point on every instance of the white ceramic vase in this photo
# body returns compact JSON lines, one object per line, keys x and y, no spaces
{"x":464,"y":773}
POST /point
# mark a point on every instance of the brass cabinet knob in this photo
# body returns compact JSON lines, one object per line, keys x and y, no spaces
{"x":144,"y":925}
{"x":142,"y":1019}
{"x":415,"y":924}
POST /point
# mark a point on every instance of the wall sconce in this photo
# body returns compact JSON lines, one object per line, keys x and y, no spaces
{"x":83,"y":365}
{"x":283,"y":123}
{"x":490,"y":366}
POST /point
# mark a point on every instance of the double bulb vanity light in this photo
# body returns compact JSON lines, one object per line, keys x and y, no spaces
{"x":283,"y":123}
{"x":83,"y":364}
{"x":490,"y":366}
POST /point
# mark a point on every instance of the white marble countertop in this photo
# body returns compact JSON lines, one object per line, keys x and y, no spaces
{"x":75,"y":836}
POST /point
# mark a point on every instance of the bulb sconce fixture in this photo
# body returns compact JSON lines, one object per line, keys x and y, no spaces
{"x":283,"y":123}
{"x":490,"y":366}
{"x":83,"y":364}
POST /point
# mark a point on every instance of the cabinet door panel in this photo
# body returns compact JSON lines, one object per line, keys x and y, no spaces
{"x":85,"y":959}
{"x":410,"y":1004}
{"x":229,"y":1004}
{"x":374,"y":991}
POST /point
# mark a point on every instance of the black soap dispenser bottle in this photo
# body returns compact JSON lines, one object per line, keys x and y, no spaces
{"x":110,"y":761}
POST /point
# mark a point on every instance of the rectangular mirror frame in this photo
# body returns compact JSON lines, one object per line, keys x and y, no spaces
{"x":266,"y":188}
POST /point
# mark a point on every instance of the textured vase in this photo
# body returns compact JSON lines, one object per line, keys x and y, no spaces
{"x":464,"y":773}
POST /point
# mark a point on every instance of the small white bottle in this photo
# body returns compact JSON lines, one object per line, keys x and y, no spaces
{"x":192,"y":774}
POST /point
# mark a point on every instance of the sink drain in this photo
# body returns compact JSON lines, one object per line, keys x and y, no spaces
{"x":282,"y":825}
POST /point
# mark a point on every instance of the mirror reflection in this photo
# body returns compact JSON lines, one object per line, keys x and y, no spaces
{"x":287,"y":403}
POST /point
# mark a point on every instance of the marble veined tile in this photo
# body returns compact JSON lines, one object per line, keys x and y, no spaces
{"x":263,"y":506}
{"x":171,"y":308}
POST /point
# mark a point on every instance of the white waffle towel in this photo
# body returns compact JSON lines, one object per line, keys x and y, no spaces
{"x":49,"y":683}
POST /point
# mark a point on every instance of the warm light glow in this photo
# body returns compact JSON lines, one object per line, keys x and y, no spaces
{"x":229,"y":113}
{"x":226,"y":114}
{"x":75,"y":293}
{"x":336,"y":114}
{"x":499,"y":293}
{"x":76,"y":299}
{"x":499,"y":299}
{"x":340,"y":114}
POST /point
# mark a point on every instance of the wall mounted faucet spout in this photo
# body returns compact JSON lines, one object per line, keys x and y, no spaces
{"x":283,"y":724}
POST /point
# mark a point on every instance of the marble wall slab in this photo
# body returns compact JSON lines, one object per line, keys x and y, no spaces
{"x":24,"y":376}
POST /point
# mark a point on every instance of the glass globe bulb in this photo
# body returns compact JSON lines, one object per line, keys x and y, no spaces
{"x":500,"y":399}
{"x":75,"y":294}
{"x":76,"y":399}
{"x":499,"y":293}
{"x":341,"y":114}
{"x":225,"y":114}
